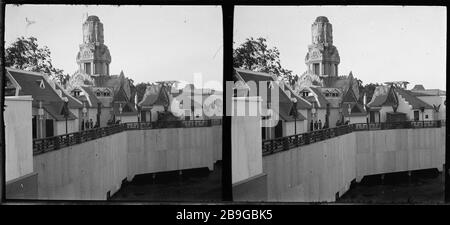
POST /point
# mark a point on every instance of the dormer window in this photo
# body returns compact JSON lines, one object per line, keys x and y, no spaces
{"x":305,"y":94}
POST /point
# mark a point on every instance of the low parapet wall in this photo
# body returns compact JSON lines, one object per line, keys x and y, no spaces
{"x":88,"y":171}
{"x":323,"y":170}
{"x":85,"y":171}
{"x":159,"y":150}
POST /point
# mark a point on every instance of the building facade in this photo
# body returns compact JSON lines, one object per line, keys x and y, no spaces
{"x":108,"y":98}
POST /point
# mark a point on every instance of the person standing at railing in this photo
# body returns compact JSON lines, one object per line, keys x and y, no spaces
{"x":338,"y":123}
{"x":315,"y":125}
{"x":320,"y":124}
{"x":311,"y":126}
{"x":91,"y":124}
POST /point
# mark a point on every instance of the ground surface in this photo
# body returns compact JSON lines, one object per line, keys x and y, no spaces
{"x":192,"y":185}
{"x":423,"y":187}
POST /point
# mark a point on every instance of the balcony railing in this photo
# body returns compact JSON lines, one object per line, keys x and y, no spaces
{"x":285,"y":143}
{"x":56,"y":142}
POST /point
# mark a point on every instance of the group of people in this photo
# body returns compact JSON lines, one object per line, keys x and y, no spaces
{"x":88,"y":124}
{"x":316,"y":125}
{"x":112,"y":122}
{"x":340,"y":123}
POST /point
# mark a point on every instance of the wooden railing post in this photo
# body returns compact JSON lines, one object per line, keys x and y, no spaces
{"x":55,"y":143}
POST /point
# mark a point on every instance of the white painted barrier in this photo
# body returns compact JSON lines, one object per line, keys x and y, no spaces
{"x":89,"y":170}
{"x":316,"y":172}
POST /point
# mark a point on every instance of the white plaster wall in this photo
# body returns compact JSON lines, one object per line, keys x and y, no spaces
{"x":128,"y":119}
{"x":172,"y":149}
{"x":76,"y":112}
{"x":217,"y":142}
{"x":312,"y":173}
{"x":388,"y":151}
{"x":246,"y":145}
{"x":154,"y":112}
{"x":105,"y":115}
{"x":334,"y":117}
{"x":356,"y":119}
{"x":404,"y":107}
{"x":289,"y":127}
{"x":18,"y":137}
{"x":316,"y":172}
{"x":436,"y":100}
{"x":83,"y":172}
{"x":60,"y":127}
{"x":307,"y":114}
{"x":431,"y":114}
{"x":89,"y":170}
{"x":386,"y":109}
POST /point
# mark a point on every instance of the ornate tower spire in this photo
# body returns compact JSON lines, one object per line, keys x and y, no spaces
{"x":94,"y":57}
{"x":92,"y":30}
{"x":322,"y":58}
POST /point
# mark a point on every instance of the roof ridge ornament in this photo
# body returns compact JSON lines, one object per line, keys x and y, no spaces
{"x":41,"y":84}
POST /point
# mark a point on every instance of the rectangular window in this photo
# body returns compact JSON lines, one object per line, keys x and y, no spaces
{"x":34,"y":127}
{"x":87,"y":68}
{"x":316,"y":68}
{"x":416,"y":115}
{"x":49,"y":128}
{"x":372,"y":117}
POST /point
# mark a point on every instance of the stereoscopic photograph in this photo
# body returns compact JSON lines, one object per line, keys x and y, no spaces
{"x":323,"y":104}
{"x":116,"y":103}
{"x":339,"y":104}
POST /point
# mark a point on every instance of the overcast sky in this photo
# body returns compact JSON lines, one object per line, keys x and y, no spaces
{"x":149,"y":43}
{"x":377,"y":44}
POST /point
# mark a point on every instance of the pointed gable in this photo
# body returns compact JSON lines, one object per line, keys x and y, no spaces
{"x":391,"y":98}
{"x":120,"y":96}
{"x":349,"y":96}
{"x":155,"y":95}
{"x":383,"y":97}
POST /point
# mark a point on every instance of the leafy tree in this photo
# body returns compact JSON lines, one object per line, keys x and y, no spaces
{"x":255,"y":55}
{"x":25,"y":54}
{"x":368,"y":89}
{"x":140,"y":90}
